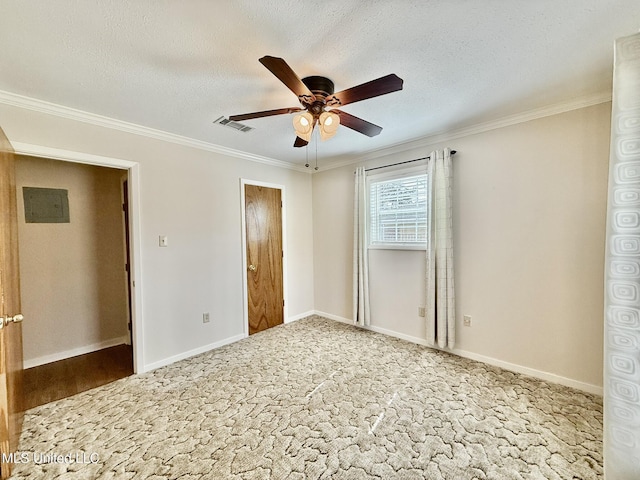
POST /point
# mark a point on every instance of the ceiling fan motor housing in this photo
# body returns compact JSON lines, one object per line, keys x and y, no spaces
{"x":321,"y":87}
{"x":317,"y":96}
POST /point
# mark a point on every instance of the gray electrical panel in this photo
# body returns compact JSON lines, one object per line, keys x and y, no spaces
{"x":45,"y":205}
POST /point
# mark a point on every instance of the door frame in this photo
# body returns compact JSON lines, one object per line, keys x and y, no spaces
{"x":126,"y":211}
{"x":245,"y":287}
{"x":133,"y":169}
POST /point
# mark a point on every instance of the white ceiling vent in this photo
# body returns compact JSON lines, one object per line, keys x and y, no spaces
{"x":241,"y":127}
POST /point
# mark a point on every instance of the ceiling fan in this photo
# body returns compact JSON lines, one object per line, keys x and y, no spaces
{"x":318,"y":102}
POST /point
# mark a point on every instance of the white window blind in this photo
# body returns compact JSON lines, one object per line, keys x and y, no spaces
{"x":398,"y":211}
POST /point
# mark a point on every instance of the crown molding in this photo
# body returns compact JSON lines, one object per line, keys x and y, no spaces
{"x":41,"y":106}
{"x":423,"y":142}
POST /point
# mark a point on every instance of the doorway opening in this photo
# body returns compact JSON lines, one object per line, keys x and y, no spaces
{"x":75,"y":286}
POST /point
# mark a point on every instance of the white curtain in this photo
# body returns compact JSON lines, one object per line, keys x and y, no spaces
{"x":440,"y":303}
{"x":361,"y":309}
{"x":622,"y":271}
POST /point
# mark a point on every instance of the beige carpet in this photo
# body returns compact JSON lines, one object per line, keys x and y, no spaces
{"x":318,"y":399}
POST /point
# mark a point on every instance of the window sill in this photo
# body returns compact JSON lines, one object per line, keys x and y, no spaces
{"x":399,"y":246}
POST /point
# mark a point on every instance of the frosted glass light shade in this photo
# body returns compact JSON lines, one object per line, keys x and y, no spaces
{"x":329,"y":123}
{"x":303,"y":125}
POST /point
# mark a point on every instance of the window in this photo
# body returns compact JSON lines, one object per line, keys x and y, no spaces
{"x":398,"y":210}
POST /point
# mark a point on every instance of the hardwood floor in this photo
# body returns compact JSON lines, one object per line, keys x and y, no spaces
{"x":53,"y":381}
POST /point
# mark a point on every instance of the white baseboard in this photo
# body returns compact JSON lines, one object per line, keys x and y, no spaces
{"x":547,"y":376}
{"x":542,"y":375}
{"x":401,"y":336}
{"x":331,"y":316}
{"x":94,"y":347}
{"x":300,"y":316}
{"x":196,"y":351}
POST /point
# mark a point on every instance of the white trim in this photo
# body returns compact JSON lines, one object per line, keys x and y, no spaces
{"x":196,"y":351}
{"x":49,"y":108}
{"x":74,"y":352}
{"x":245,"y":293}
{"x":124,"y":179}
{"x":397,"y":246}
{"x":547,"y":376}
{"x":70,"y":156}
{"x":300,"y":316}
{"x":285,"y":284}
{"x":532,"y":372}
{"x":42,"y":106}
{"x":134,"y":227}
{"x":441,"y":137}
{"x":337,"y":318}
{"x":135,"y":236}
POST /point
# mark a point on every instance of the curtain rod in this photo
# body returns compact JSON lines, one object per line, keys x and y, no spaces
{"x":453,"y":152}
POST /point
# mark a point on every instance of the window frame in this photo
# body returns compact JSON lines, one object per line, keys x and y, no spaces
{"x":395,"y":174}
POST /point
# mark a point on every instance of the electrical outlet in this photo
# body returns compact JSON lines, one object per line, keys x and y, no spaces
{"x":467,"y":320}
{"x":205,"y":317}
{"x":421,"y":311}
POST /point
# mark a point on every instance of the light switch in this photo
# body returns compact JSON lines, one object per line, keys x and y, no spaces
{"x":163,"y":241}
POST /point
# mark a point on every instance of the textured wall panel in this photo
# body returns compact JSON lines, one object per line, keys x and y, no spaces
{"x":622,"y":307}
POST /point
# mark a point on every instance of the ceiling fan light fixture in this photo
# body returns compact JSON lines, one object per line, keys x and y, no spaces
{"x":315,"y":94}
{"x":303,"y":125}
{"x":329,"y":123}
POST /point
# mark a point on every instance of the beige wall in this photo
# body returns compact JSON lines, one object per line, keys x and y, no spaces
{"x":72,"y":274}
{"x":529,"y":206}
{"x":192,"y":196}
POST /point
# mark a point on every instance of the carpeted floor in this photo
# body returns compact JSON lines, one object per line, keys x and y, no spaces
{"x":318,"y":399}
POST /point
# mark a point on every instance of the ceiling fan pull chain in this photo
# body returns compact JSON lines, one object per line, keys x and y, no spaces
{"x":307,"y":152}
{"x":316,"y":168}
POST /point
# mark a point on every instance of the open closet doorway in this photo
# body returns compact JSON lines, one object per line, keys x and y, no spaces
{"x":72,"y":237}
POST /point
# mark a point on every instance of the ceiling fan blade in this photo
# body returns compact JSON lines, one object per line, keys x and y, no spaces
{"x":266,"y":113}
{"x":374,"y":88}
{"x":300,"y":142}
{"x":286,"y":75}
{"x":358,"y":124}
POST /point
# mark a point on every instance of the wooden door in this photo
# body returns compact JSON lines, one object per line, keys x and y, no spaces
{"x":263,"y":218}
{"x":11,"y":411}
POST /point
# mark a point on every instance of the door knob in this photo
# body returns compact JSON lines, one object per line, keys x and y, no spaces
{"x":8,"y":319}
{"x":253,"y":268}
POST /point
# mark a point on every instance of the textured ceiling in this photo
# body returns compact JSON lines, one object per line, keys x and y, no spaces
{"x":178,"y":65}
